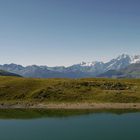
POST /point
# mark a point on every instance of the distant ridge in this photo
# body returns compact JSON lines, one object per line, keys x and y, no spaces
{"x":81,"y":70}
{"x":131,"y":71}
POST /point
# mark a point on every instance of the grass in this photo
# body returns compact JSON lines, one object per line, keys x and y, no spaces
{"x":17,"y":89}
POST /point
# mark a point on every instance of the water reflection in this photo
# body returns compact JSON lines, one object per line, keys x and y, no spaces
{"x":55,"y":113}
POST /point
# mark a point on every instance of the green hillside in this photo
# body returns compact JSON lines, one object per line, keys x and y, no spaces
{"x":6,"y":73}
{"x":29,"y":90}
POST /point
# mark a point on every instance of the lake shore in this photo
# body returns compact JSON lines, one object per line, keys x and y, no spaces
{"x":72,"y":106}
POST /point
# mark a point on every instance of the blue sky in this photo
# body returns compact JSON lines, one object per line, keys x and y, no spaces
{"x":65,"y":32}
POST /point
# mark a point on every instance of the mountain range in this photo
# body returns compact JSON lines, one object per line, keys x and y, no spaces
{"x":122,"y":66}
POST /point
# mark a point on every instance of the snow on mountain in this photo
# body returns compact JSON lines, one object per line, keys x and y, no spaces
{"x":89,"y":64}
{"x":135,"y":59}
{"x":83,"y":69}
{"x":118,"y":63}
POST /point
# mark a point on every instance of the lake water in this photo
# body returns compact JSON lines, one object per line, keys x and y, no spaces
{"x":68,"y":125}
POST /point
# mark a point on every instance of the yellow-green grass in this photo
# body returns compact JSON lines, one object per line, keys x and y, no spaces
{"x":96,"y":90}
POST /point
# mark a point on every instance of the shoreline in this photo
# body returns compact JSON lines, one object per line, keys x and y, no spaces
{"x":72,"y":106}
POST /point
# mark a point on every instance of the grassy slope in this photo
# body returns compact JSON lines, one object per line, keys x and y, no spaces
{"x":13,"y":89}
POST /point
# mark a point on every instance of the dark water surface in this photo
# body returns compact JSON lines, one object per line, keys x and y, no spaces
{"x":69,"y":125}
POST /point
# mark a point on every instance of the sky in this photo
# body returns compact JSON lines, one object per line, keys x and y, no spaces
{"x":65,"y":32}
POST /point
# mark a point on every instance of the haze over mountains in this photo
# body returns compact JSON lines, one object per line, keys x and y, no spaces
{"x":122,"y":66}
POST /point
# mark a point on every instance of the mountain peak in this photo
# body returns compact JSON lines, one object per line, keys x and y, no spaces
{"x":83,"y":69}
{"x":123,"y":56}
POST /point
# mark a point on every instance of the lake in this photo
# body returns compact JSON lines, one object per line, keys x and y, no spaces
{"x":69,"y":125}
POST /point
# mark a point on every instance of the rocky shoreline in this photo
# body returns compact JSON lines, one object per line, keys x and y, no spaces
{"x":71,"y":106}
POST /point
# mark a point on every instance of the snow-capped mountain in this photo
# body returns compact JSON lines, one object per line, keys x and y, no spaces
{"x":135,"y":59}
{"x":89,"y":64}
{"x":84,"y":69}
{"x":96,"y":68}
{"x":120,"y":62}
